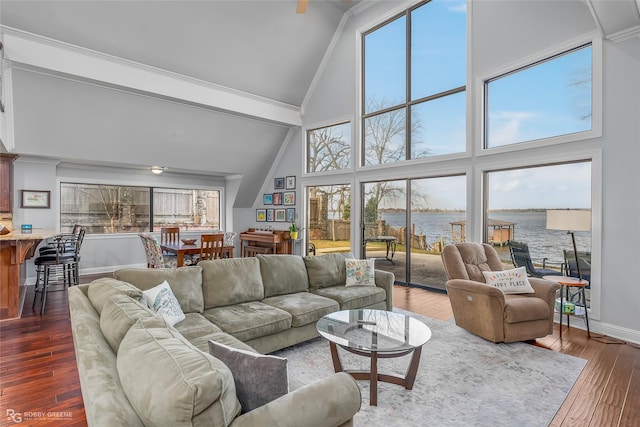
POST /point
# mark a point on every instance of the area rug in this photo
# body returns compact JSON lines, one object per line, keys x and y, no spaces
{"x":463,"y":380}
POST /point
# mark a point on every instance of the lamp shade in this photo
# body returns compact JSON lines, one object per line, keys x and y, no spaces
{"x":569,"y":219}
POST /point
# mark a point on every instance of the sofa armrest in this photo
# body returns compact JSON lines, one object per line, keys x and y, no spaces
{"x":384,"y":280}
{"x":331,"y":401}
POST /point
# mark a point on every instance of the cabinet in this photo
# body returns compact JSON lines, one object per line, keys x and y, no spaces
{"x":6,"y":182}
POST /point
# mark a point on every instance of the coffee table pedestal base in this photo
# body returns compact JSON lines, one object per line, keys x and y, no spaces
{"x":372,"y":375}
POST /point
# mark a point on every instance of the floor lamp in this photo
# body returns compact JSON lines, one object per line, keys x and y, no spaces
{"x":570,"y":220}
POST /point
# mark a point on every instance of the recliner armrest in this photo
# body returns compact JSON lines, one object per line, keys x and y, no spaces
{"x":545,"y":289}
{"x":475,"y":287}
{"x":331,"y":401}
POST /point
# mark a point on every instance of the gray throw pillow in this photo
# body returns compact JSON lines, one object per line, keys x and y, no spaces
{"x":259,"y":378}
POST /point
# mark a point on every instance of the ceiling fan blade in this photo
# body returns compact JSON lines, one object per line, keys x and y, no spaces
{"x":302,"y":6}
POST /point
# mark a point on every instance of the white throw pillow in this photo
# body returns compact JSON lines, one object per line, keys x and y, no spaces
{"x":509,"y":281}
{"x":162,"y":300}
{"x":360,"y":272}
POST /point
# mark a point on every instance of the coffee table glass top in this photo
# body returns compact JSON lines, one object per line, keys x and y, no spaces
{"x":374,"y":330}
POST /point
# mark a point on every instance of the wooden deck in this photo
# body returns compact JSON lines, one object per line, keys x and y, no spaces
{"x":38,"y":368}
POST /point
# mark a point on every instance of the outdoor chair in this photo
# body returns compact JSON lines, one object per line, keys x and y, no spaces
{"x":584,"y":258}
{"x":520,"y":258}
{"x":485,"y":310}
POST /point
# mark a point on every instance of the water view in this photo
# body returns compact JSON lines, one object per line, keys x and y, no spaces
{"x":529,"y":228}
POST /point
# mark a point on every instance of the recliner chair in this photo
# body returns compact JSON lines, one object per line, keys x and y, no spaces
{"x":485,"y":310}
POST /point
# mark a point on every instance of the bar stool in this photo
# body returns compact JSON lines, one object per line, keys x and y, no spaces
{"x":57,"y":260}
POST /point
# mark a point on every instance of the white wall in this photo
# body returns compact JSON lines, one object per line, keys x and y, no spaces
{"x":502,"y":33}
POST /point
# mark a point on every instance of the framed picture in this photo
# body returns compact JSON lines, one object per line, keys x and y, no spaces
{"x":267,"y":199}
{"x":270,"y":215}
{"x":35,"y":199}
{"x":291,"y":214}
{"x":278,"y":184}
{"x":281,"y":215}
{"x":291,"y":183}
{"x":277,"y":198}
{"x":289,"y":197}
{"x":261,"y":215}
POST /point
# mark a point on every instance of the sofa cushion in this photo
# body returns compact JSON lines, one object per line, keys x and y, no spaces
{"x":360,"y":272}
{"x":118,"y":315}
{"x":249,"y":320}
{"x":304,"y":307}
{"x":170,"y":382}
{"x":326,"y":270}
{"x":196,"y":325}
{"x":283,"y":274}
{"x":231,"y":281}
{"x":353,"y":296}
{"x":202,"y":342}
{"x":101,"y":290}
{"x":259,"y":378}
{"x":185,"y":283}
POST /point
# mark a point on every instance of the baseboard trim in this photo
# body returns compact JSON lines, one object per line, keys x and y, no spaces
{"x":31,"y":281}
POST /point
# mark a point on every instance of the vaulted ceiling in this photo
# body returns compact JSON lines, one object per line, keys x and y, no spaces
{"x":202,"y":87}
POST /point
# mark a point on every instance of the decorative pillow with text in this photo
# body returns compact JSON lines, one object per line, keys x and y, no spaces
{"x":509,"y":281}
{"x":360,"y":272}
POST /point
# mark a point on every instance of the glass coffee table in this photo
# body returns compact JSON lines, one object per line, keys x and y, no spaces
{"x":377,"y":334}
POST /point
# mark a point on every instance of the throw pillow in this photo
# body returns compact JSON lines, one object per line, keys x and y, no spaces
{"x":509,"y":281}
{"x":259,"y":378}
{"x":162,"y":300}
{"x":360,"y":272}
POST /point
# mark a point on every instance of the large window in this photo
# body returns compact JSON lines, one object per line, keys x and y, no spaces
{"x":549,"y":98}
{"x":408,"y":244}
{"x":106,"y":209}
{"x":414,"y":82}
{"x":517,"y":203}
{"x":329,"y":148}
{"x":329,"y":218}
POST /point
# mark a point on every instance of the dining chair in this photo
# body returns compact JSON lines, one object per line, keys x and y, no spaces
{"x":153,"y":252}
{"x":211,"y":246}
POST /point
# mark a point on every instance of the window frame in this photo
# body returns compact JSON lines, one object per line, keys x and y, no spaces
{"x":144,"y":184}
{"x":408,"y":103}
{"x":530,"y":61}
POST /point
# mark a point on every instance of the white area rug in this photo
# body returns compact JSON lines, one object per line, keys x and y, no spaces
{"x":463,"y":380}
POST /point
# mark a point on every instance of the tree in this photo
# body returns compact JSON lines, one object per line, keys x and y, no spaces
{"x":385,"y":139}
{"x":328,"y":149}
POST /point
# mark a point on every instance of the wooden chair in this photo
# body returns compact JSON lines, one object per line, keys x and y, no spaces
{"x":211,"y":246}
{"x":170,"y":235}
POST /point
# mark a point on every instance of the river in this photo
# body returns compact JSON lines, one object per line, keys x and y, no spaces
{"x":529,"y":228}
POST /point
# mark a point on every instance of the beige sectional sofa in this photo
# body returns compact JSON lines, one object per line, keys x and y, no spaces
{"x":136,"y":370}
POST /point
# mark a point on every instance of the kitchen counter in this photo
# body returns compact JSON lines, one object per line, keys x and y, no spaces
{"x":15,"y":249}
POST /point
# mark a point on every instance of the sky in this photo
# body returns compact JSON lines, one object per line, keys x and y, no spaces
{"x":552,"y":98}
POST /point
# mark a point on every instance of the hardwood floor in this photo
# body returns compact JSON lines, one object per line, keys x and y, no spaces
{"x":39,"y":380}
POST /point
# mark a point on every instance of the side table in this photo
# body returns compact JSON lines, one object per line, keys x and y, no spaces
{"x":571,"y":282}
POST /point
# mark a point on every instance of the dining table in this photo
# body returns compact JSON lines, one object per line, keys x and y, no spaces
{"x":181,"y":249}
